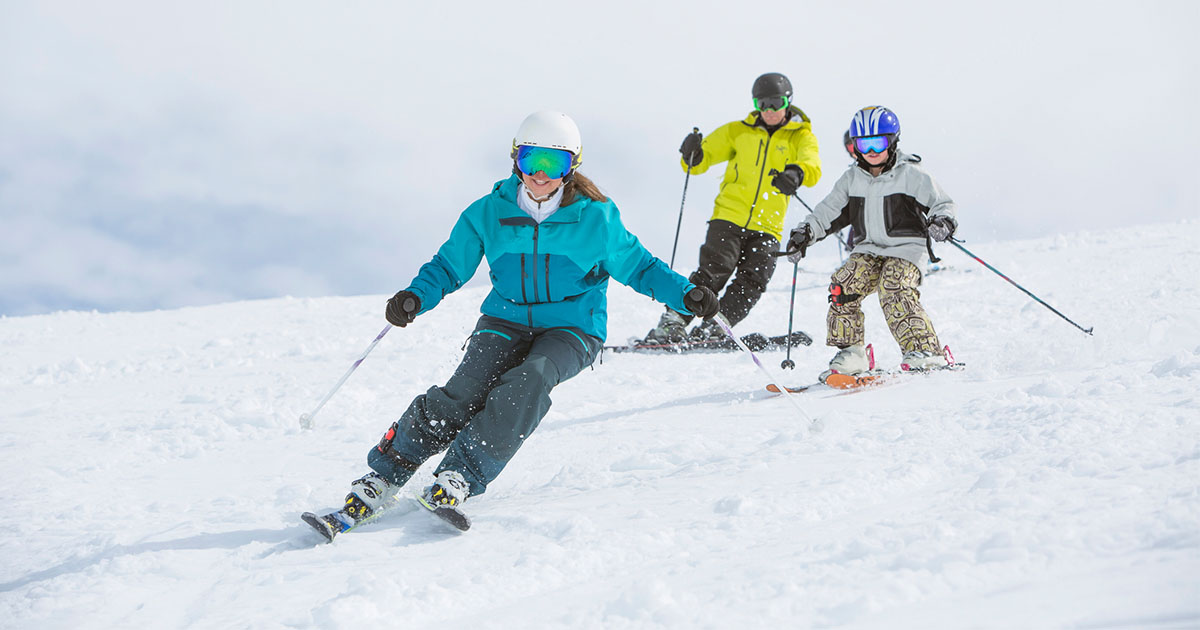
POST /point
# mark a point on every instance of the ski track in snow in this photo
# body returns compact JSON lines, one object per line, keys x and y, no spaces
{"x":156,"y":471}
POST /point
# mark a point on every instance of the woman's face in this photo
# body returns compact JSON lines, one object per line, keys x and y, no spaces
{"x":540,"y":185}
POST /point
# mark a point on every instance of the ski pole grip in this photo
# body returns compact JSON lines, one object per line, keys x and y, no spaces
{"x":410,"y":305}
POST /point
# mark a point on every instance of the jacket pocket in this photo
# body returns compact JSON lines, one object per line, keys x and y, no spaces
{"x":903,"y":216}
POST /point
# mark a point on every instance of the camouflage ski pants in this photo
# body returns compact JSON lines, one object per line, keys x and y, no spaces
{"x":896,"y":280}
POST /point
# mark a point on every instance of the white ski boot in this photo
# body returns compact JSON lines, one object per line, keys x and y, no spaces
{"x":445,"y":497}
{"x":918,"y":360}
{"x":849,"y":360}
{"x":369,"y":496}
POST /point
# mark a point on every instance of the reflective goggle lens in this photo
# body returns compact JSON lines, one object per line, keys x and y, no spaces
{"x":871,"y":144}
{"x":771,"y":102}
{"x":555,"y":163}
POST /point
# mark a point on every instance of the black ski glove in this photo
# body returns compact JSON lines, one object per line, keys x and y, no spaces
{"x":402,"y":309}
{"x":701,"y":301}
{"x":690,"y":149}
{"x":789,"y":180}
{"x":798,"y":242}
{"x":941,"y":228}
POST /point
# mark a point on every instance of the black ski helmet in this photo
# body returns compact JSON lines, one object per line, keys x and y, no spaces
{"x":771,"y":84}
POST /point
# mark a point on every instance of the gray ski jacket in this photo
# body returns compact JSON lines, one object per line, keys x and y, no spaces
{"x":888,"y":212}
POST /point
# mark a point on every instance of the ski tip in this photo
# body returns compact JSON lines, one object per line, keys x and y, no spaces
{"x":318,"y":524}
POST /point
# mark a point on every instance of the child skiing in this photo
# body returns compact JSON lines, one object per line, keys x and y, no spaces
{"x":770,"y":154}
{"x":552,"y":241}
{"x":894,"y":207}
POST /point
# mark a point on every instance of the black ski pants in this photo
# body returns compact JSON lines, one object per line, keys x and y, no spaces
{"x":489,"y":407}
{"x":729,"y":248}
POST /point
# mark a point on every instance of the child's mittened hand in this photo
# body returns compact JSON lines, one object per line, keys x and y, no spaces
{"x":941,"y":228}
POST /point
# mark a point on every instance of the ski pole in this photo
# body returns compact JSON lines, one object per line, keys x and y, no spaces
{"x":788,"y":363}
{"x":806,"y":206}
{"x":679,"y":223}
{"x":306,"y":419}
{"x":955,"y":242}
{"x":786,"y":251}
{"x":724,"y":324}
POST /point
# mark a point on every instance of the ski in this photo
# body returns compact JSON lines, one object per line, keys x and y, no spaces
{"x":870,"y":378}
{"x":755,"y":341}
{"x":453,"y":516}
{"x":797,"y":390}
{"x":334,"y":524}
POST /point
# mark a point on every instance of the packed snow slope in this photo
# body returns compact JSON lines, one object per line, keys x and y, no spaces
{"x":154,"y":469}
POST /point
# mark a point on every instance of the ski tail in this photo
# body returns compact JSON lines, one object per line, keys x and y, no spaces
{"x":328,"y":526}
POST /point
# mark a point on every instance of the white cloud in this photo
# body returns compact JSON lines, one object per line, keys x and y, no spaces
{"x":359,"y":132}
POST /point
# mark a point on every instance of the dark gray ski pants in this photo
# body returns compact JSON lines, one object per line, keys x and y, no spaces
{"x":489,"y":407}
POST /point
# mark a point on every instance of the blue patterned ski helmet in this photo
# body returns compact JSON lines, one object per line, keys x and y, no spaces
{"x":874,"y":121}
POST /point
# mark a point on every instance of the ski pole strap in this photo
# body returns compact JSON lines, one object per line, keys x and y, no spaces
{"x":787,"y":252}
{"x":929,"y":247}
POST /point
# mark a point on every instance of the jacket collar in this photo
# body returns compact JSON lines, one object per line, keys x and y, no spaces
{"x":504,"y":194}
{"x":902,"y":160}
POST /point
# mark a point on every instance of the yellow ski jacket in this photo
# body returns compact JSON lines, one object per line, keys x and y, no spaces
{"x":747,"y":197}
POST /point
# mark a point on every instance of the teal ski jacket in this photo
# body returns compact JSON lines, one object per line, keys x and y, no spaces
{"x":548,"y":275}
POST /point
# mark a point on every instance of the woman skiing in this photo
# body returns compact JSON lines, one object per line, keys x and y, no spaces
{"x":893,"y":207}
{"x":552,"y":241}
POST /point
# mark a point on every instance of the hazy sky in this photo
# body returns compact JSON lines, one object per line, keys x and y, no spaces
{"x":160,"y":154}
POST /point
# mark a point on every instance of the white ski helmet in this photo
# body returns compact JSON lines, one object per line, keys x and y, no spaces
{"x":552,"y":130}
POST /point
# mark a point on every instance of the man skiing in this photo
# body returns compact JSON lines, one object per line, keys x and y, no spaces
{"x":552,"y":241}
{"x":770,"y":154}
{"x":894,"y":207}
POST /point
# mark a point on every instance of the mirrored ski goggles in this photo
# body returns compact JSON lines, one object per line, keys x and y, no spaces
{"x":872,"y":144}
{"x":771,"y":102}
{"x":555,"y":163}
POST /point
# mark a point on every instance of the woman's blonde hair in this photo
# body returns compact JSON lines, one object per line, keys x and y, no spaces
{"x":581,"y":185}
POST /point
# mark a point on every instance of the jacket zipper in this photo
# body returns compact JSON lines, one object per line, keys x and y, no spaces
{"x":533,"y":265}
{"x":524,"y":297}
{"x":761,"y":171}
{"x":533,"y":274}
{"x":548,"y":278}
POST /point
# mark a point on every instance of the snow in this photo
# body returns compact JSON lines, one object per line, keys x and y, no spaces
{"x":155,"y":470}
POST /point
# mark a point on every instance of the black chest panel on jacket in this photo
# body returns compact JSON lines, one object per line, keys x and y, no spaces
{"x":903,"y":215}
{"x":852,"y":215}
